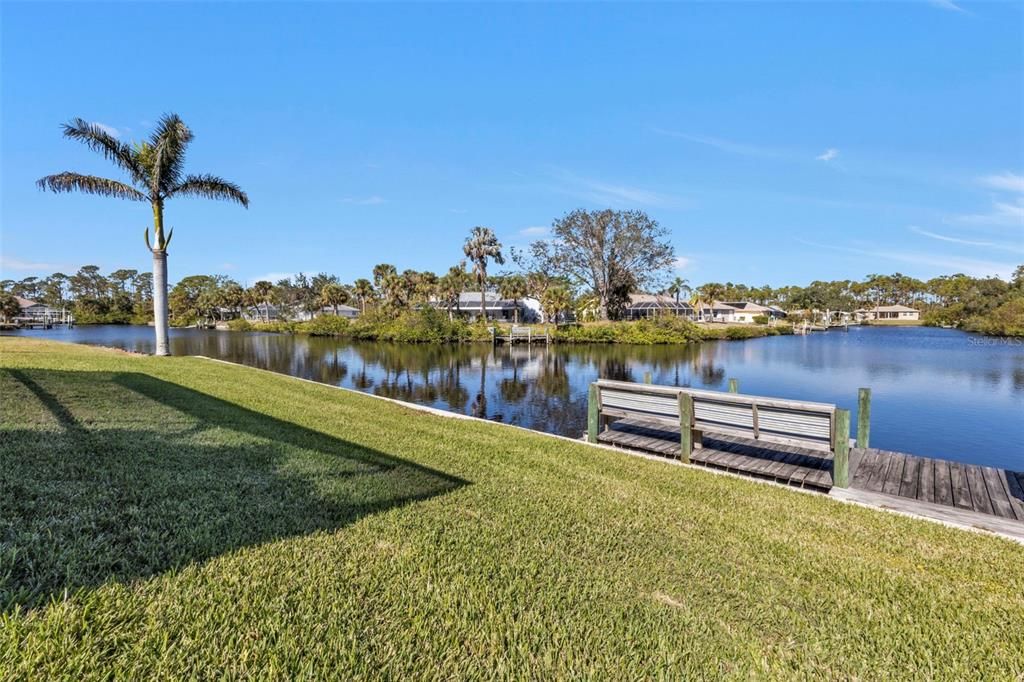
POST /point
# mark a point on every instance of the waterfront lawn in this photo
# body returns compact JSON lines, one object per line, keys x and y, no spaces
{"x":178,"y":517}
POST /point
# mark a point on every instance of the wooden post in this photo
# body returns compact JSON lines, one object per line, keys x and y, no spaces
{"x":685,"y":426}
{"x":593,"y":413}
{"x":841,"y":450}
{"x":647,"y":377}
{"x":863,"y":417}
{"x":734,"y":386}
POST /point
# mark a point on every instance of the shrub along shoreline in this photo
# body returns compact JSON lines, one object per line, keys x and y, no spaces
{"x":430,"y":326}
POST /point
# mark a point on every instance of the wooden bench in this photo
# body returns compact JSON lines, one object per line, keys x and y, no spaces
{"x":816,"y":426}
{"x":521,"y":333}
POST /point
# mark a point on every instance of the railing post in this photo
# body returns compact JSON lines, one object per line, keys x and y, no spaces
{"x":685,"y":426}
{"x":647,"y":377}
{"x":734,"y":386}
{"x":863,"y":417}
{"x":593,"y":413}
{"x":841,"y":450}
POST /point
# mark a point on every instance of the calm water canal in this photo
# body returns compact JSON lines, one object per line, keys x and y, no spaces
{"x":936,"y":392}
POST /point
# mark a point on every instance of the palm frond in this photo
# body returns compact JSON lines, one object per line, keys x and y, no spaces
{"x":169,"y":141}
{"x":99,"y":140}
{"x":210,"y":187}
{"x":90,"y":184}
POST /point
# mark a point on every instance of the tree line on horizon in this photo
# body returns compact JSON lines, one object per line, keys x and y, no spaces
{"x":125,"y":295}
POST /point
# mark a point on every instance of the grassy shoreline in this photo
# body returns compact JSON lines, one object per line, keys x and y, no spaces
{"x":431,"y":327}
{"x":175,"y":517}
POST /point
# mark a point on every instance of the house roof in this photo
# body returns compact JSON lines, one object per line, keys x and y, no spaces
{"x":656,"y":302}
{"x":491,"y":300}
{"x":749,"y":306}
{"x":891,"y":309}
{"x":26,"y":303}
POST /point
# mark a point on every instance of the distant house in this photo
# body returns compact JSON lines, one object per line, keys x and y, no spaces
{"x":33,"y":310}
{"x":887,"y":312}
{"x":271,"y":312}
{"x":716,"y":311}
{"x":645,"y":306}
{"x":746,"y":311}
{"x":495,"y":307}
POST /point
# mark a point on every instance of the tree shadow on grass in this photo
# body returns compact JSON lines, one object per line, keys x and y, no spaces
{"x":117,"y":476}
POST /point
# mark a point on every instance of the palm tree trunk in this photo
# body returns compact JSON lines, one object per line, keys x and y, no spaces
{"x":163,"y":346}
{"x":483,"y":310}
{"x":160,"y":301}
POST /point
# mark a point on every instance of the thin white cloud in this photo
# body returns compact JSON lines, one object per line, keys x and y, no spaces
{"x":109,"y":130}
{"x":1001,"y":214}
{"x":828,"y":154}
{"x":534,"y":231}
{"x":948,"y":264}
{"x":946,"y":5}
{"x":228,"y":266}
{"x":682,"y":263}
{"x":721,"y":143}
{"x":373,"y":200}
{"x":1009,"y":182}
{"x":613,"y":195}
{"x":944,"y":238}
{"x":7,"y":263}
{"x":459,"y":211}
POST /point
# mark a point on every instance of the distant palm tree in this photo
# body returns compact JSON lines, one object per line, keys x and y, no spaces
{"x":155,"y":168}
{"x":262,"y":293}
{"x":481,"y":245}
{"x":678,"y":286}
{"x":556,"y":301}
{"x":513,"y":288}
{"x":334,"y":295}
{"x":363,"y":289}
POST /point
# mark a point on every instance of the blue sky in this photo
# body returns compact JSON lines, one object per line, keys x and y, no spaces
{"x":779,"y":143}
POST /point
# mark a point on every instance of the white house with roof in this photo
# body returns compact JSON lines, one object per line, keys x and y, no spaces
{"x":746,"y":311}
{"x":646,"y":306}
{"x":495,"y":307}
{"x":884,"y":313}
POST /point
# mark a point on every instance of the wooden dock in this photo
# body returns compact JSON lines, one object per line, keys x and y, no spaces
{"x":879,"y":477}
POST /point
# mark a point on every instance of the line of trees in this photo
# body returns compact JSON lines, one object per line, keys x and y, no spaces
{"x":589,"y":266}
{"x":121,"y":296}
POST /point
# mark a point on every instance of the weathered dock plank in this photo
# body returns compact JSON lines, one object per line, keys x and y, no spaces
{"x":998,"y":493}
{"x":911,"y":476}
{"x":926,"y":483}
{"x":961,"y":490}
{"x":979,"y":493}
{"x":943,"y":483}
{"x":894,"y":477}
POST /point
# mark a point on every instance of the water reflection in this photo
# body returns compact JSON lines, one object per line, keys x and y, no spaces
{"x":931,"y":386}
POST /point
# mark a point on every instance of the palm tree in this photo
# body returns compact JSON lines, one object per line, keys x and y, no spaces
{"x":513,"y":288}
{"x":481,"y":245}
{"x":678,"y":286}
{"x":263,"y":292}
{"x":334,"y":295}
{"x":363,"y":289}
{"x":556,"y":300}
{"x":155,"y":169}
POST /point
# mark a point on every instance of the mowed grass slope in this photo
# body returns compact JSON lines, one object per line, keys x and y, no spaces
{"x":179,"y":517}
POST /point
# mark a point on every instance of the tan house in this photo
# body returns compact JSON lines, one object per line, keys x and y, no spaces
{"x":884,"y":313}
{"x":744,"y":312}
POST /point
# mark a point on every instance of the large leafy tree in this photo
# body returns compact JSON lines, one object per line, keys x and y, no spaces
{"x":480,"y":247}
{"x":155,"y":173}
{"x":606,"y":251}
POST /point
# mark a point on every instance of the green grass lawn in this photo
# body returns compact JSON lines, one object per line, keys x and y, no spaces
{"x":168,"y":518}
